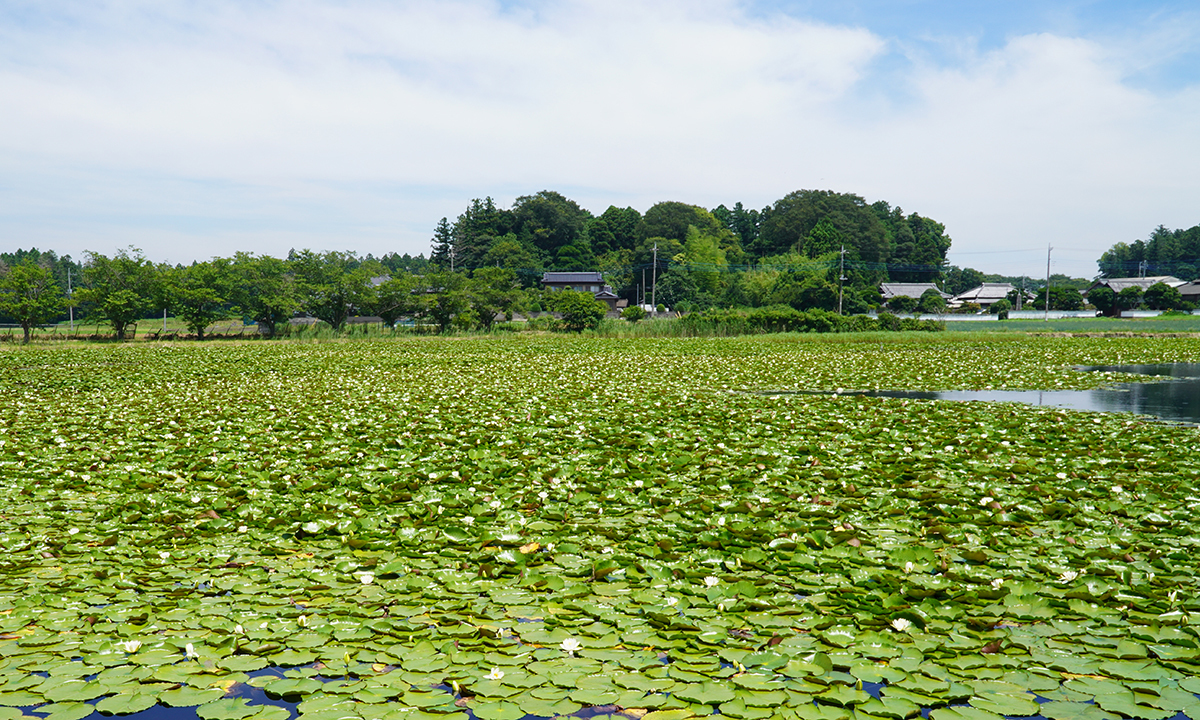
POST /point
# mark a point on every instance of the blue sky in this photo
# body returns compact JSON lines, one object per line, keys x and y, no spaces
{"x":199,"y":129}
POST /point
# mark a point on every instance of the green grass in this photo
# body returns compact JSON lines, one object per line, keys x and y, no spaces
{"x":603,"y":521}
{"x":1082,"y":325}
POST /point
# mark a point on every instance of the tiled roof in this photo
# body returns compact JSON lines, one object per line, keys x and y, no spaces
{"x":1119,"y":284}
{"x":914,"y":290}
{"x":572,"y":277}
{"x":987,"y":292}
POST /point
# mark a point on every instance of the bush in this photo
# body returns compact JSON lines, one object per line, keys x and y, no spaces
{"x":660,"y":308}
{"x":633,"y":313}
{"x":1000,"y":306}
{"x":580,"y":310}
{"x":903,"y":304}
{"x":888,"y":321}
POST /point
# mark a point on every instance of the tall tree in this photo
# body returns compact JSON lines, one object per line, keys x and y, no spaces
{"x":442,"y":251}
{"x":332,"y":286}
{"x":794,"y":217}
{"x":200,"y":293}
{"x":30,"y":296}
{"x":121,"y":289}
{"x":264,"y":289}
{"x":548,"y":220}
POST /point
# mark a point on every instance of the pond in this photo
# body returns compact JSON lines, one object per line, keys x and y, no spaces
{"x":1175,"y":399}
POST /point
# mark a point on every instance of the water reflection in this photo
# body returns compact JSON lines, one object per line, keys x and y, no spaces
{"x":1174,"y":399}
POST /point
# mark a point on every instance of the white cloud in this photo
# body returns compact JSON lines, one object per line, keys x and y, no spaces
{"x":268,"y":125}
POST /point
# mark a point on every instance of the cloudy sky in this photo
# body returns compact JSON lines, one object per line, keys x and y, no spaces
{"x":193,"y":129}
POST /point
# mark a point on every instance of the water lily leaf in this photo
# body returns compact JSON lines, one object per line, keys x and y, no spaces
{"x":498,"y":711}
{"x":960,"y":712}
{"x":72,"y":690}
{"x":127,"y":703}
{"x":1125,"y":705}
{"x":292,"y":658}
{"x":189,"y":696}
{"x":65,"y":711}
{"x":844,"y":696}
{"x":243,"y":663}
{"x":1062,"y":710}
{"x":678,"y":714}
{"x":703,"y":693}
{"x":10,"y":713}
{"x":20,"y":698}
{"x":227,"y":709}
{"x":1006,"y":704}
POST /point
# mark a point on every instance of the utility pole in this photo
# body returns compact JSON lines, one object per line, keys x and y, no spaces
{"x":1021,"y":294}
{"x":841,"y":275}
{"x":654,"y":281}
{"x":643,"y":293}
{"x":1046,"y":315}
{"x":70,"y":302}
{"x":1142,"y":269}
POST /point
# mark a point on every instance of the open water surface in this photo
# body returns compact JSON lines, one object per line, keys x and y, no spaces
{"x":1175,"y":398}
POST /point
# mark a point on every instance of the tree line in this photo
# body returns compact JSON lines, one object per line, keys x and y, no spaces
{"x":1164,"y":252}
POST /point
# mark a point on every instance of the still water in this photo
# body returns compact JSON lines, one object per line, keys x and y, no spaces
{"x":1175,"y":398}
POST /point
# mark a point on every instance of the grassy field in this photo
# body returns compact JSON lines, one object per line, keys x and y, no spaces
{"x":543,"y":525}
{"x":1190,"y":324}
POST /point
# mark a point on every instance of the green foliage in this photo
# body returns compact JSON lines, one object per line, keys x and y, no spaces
{"x":1000,"y":306}
{"x":29,"y":295}
{"x":332,"y":286}
{"x":1161,"y":296}
{"x":1103,"y":299}
{"x":1061,"y":298}
{"x":1130,"y":298}
{"x":199,"y":294}
{"x":633,"y":313}
{"x":579,"y":310}
{"x":397,"y":297}
{"x":903,"y":303}
{"x":120,"y":289}
{"x":1164,"y":252}
{"x":388,"y":518}
{"x":492,"y":292}
{"x":264,"y":289}
{"x":932,"y":302}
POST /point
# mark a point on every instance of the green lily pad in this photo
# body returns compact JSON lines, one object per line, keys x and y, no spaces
{"x":189,"y":696}
{"x":126,"y":703}
{"x":227,"y":709}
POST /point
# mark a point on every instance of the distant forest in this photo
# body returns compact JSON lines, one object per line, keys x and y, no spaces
{"x":806,"y":250}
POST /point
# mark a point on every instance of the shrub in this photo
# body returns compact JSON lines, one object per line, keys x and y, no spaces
{"x":633,"y":313}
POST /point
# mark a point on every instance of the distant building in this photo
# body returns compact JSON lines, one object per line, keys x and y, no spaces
{"x":985,"y":296}
{"x":592,"y":282}
{"x":1119,"y":284}
{"x":912,"y":290}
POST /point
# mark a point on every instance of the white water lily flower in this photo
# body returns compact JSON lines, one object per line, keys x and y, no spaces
{"x":997,"y":583}
{"x":672,"y":601}
{"x":239,"y":630}
{"x":164,"y":555}
{"x":243,"y":528}
{"x":302,"y":621}
{"x":570,"y":646}
{"x":711,"y":581}
{"x":908,"y":567}
{"x":1171,"y":596}
{"x":130,"y":646}
{"x":366,"y":578}
{"x":1068,"y":576}
{"x":985,"y":500}
{"x":468,"y":520}
{"x":495,"y":674}
{"x":190,"y":651}
{"x":901,"y":624}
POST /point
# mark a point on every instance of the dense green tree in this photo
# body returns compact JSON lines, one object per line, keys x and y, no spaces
{"x":397,"y":297}
{"x":1161,"y":296}
{"x":120,"y":289}
{"x":705,"y":259}
{"x":264,"y":289}
{"x":741,"y":222}
{"x":917,"y":245}
{"x":575,"y":257}
{"x":548,"y":221}
{"x":579,"y":310}
{"x":200,"y":294}
{"x":491,"y":292}
{"x":1103,"y":299}
{"x":474,"y":232}
{"x":332,"y":286}
{"x":932,"y":302}
{"x":446,"y":299}
{"x":1129,"y":298}
{"x":671,"y":220}
{"x":510,"y":253}
{"x":793,"y":218}
{"x":903,"y":303}
{"x":29,"y":295}
{"x":1061,"y":298}
{"x":617,"y":229}
{"x":958,"y":280}
{"x":441,"y":254}
{"x":1164,"y":252}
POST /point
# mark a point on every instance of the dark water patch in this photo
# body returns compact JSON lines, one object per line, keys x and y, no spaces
{"x":1175,"y":399}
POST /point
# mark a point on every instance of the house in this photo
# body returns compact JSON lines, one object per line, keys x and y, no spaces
{"x":985,"y":296}
{"x":912,"y":290}
{"x":1190,"y":292}
{"x":1119,"y":284}
{"x":592,"y":282}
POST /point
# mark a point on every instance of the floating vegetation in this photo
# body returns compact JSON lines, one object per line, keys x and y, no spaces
{"x":499,"y":528}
